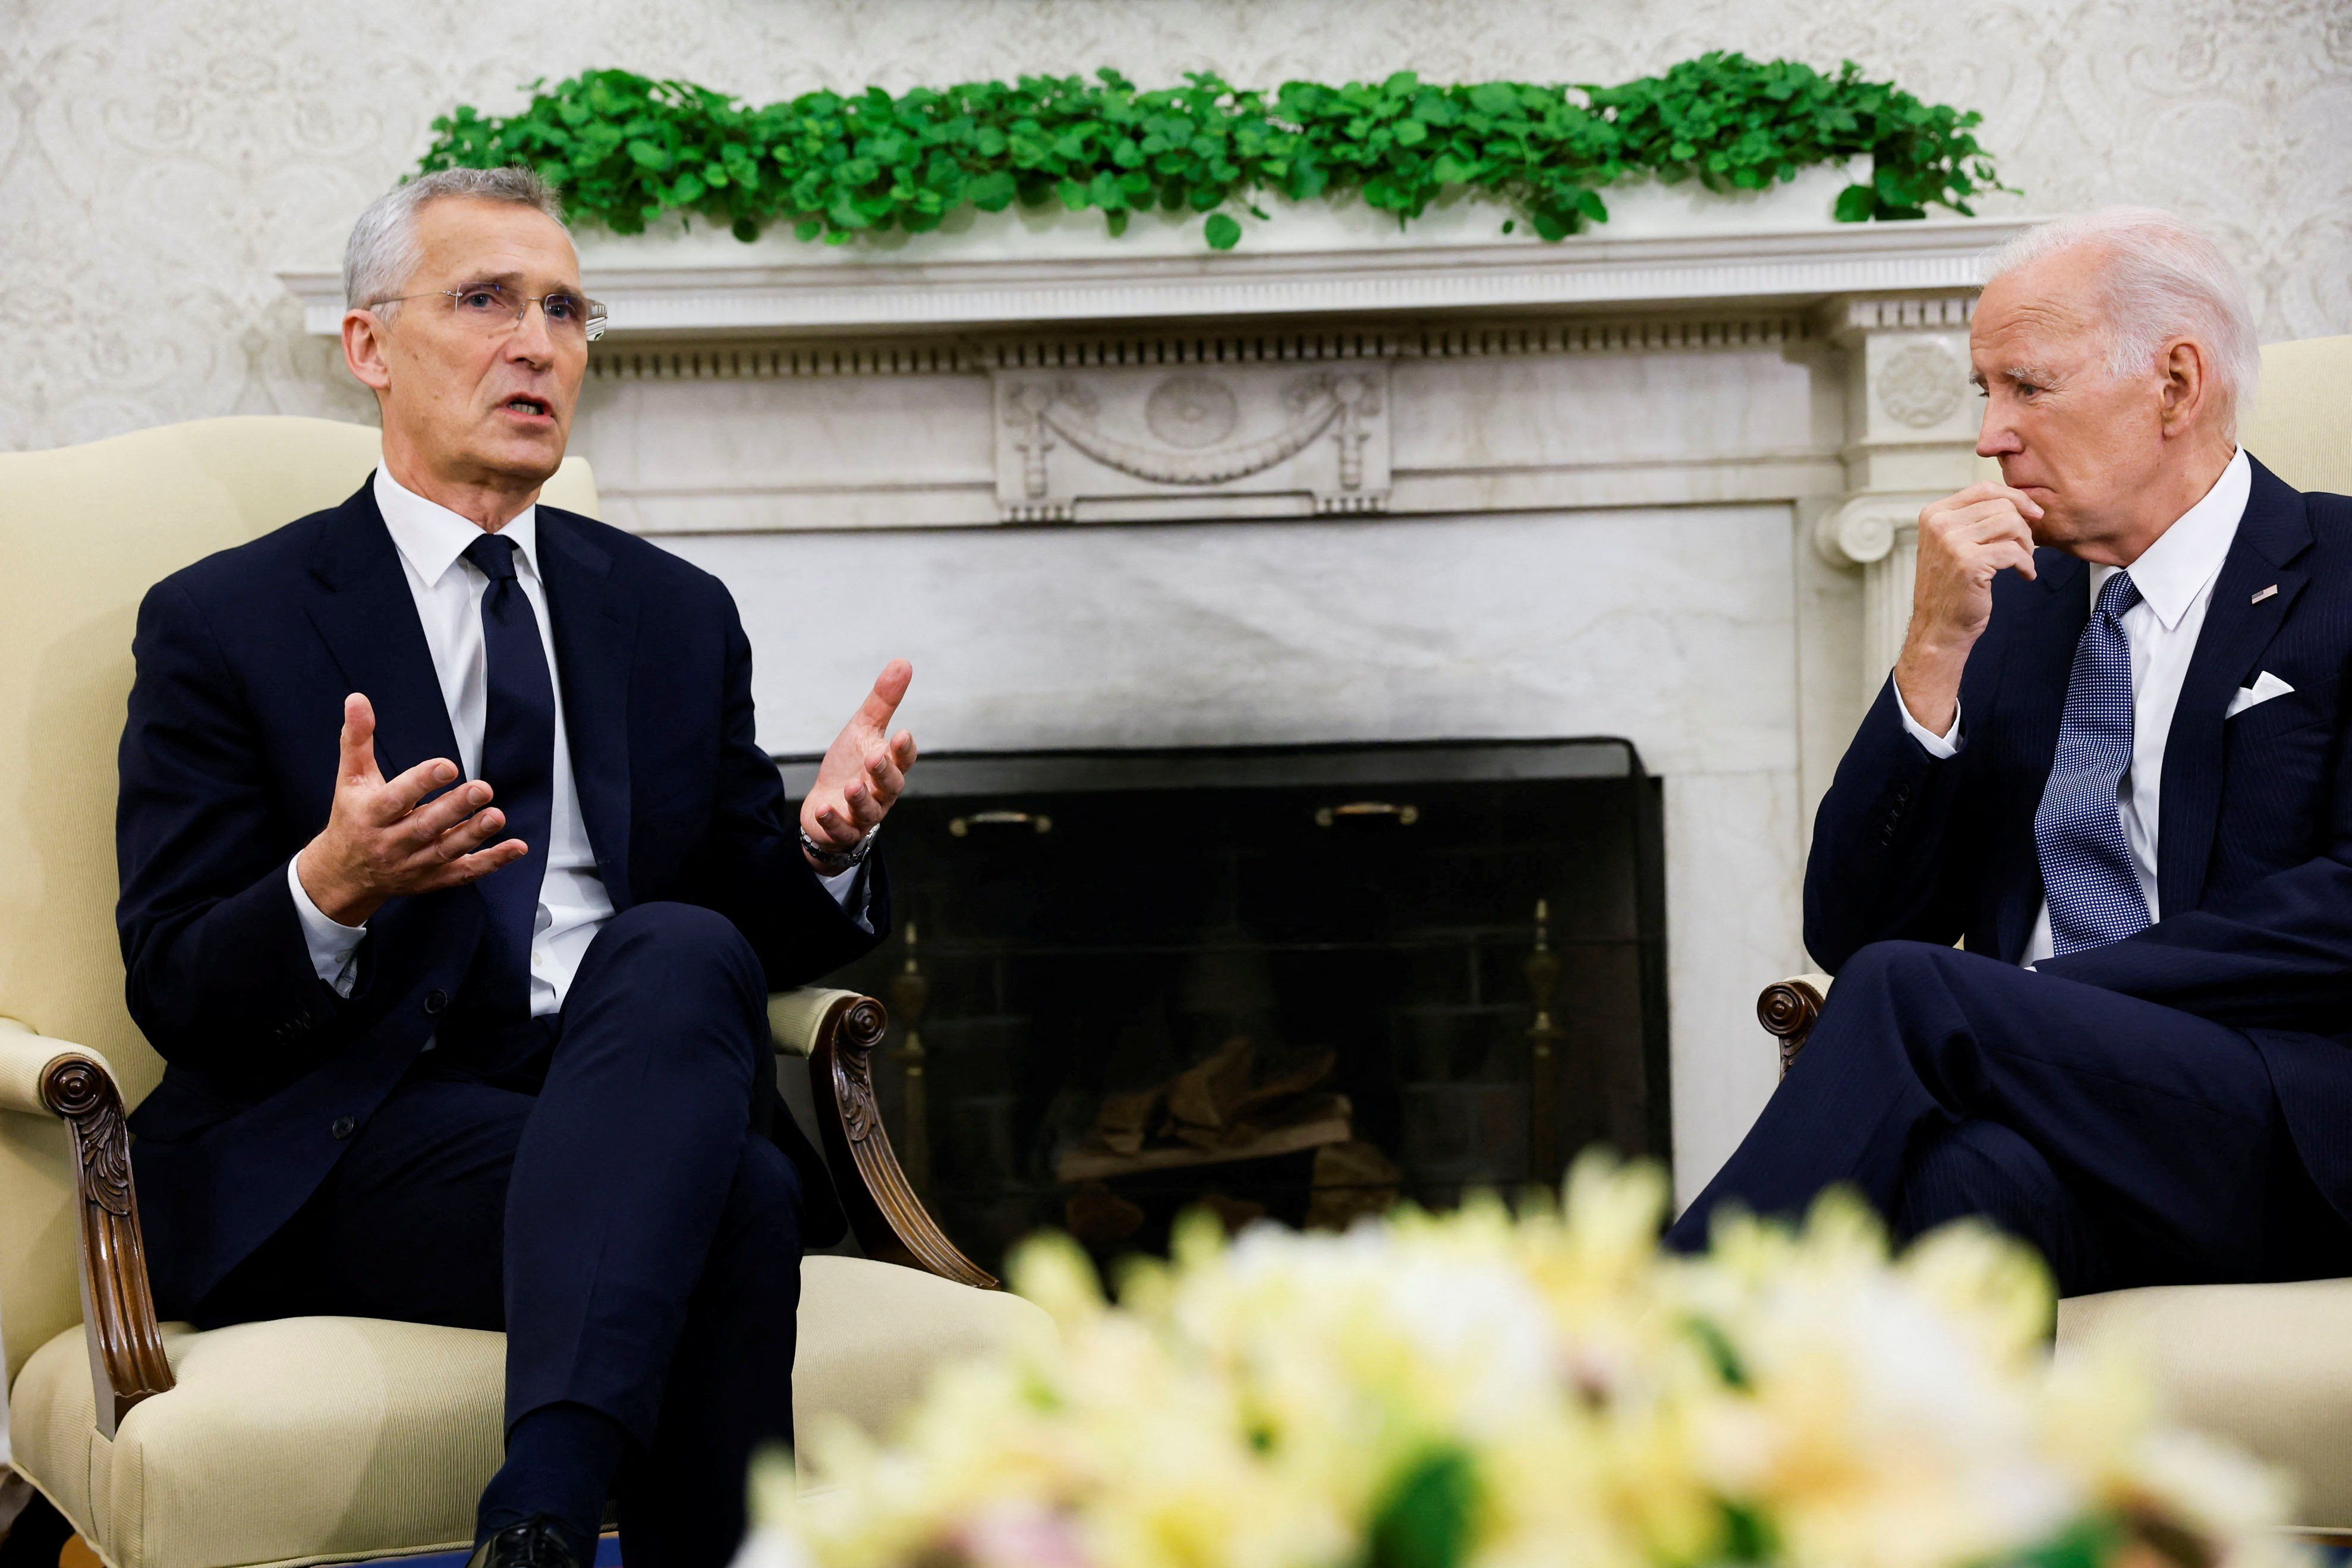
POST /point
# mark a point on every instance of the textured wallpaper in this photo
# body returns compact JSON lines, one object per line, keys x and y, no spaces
{"x":160,"y":159}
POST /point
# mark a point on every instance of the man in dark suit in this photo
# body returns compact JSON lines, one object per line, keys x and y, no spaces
{"x":2114,"y":759}
{"x":465,"y":1012}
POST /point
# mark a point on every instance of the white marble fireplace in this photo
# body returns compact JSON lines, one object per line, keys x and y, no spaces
{"x":1340,"y":485}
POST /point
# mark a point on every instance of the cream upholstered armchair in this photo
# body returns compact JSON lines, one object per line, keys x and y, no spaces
{"x":2270,"y":1365}
{"x":304,"y":1439}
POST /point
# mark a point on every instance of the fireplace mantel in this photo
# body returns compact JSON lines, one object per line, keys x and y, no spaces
{"x":1027,"y":368}
{"x":713,"y":287}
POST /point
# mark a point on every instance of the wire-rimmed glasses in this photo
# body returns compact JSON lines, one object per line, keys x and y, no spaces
{"x":494,"y":308}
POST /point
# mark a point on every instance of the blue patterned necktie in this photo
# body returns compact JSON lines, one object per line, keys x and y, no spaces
{"x":2078,"y":831}
{"x":519,"y":764}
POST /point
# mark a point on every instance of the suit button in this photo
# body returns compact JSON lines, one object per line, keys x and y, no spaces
{"x":344,"y":1127}
{"x":435,"y":1001}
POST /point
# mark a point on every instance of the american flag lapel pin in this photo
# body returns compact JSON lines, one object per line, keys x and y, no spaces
{"x":2263,"y":594}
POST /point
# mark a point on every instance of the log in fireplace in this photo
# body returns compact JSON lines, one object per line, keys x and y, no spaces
{"x":1296,"y":982}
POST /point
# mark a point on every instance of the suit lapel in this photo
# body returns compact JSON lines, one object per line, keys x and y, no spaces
{"x":594,"y":622}
{"x":368,"y":620}
{"x":2039,"y":662}
{"x":2275,"y":530}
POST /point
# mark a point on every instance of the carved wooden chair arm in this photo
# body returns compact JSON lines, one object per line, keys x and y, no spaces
{"x":837,"y":1032}
{"x":41,"y":1076}
{"x":1787,"y":1010}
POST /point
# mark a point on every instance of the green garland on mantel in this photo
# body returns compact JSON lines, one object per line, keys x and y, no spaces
{"x":626,"y":149}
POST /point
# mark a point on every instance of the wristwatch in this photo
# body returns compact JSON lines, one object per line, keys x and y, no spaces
{"x":833,"y":862}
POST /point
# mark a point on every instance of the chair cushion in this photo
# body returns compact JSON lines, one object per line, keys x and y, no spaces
{"x":335,"y":1440}
{"x":2269,"y":1366}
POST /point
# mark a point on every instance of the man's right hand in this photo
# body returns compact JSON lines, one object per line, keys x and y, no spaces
{"x":381,"y":844}
{"x":1965,"y":539}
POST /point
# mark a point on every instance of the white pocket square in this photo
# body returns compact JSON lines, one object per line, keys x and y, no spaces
{"x":2265,"y":687}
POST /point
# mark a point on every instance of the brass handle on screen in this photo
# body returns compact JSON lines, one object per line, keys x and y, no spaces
{"x":1406,"y":815}
{"x":961,"y":826}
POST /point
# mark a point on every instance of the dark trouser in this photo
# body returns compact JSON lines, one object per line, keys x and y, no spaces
{"x":598,"y":1185}
{"x":2132,"y":1144}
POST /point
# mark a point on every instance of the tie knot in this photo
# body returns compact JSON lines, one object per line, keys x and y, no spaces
{"x":2119,"y":595}
{"x":493,"y":555}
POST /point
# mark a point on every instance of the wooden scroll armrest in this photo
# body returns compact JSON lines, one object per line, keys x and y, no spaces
{"x":1787,"y":1010}
{"x":837,"y":1031}
{"x":40,"y":1077}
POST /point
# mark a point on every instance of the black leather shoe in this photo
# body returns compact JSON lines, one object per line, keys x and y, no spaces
{"x":534,"y":1543}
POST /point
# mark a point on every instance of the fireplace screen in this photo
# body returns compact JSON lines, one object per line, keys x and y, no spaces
{"x":1303,"y":982}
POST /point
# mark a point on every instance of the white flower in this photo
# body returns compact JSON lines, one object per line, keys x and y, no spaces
{"x":1544,"y":1390}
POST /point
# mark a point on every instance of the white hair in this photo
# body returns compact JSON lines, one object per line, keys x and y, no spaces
{"x":2163,"y":280}
{"x":383,"y":252}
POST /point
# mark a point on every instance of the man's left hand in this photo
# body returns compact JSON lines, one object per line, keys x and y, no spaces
{"x":865,"y":769}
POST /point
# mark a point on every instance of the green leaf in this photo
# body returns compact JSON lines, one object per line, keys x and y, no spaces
{"x":2089,"y":1542}
{"x":1854,"y":203}
{"x":991,"y":193}
{"x":1222,"y":231}
{"x":1720,"y":1351}
{"x":1429,"y":1515}
{"x":1749,"y":1535}
{"x":1493,"y":98}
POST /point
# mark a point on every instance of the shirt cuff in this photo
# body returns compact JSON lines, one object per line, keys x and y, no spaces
{"x":334,"y":947}
{"x":1947,"y":744}
{"x":852,"y":892}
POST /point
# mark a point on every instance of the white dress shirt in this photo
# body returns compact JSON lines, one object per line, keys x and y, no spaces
{"x":2175,"y":577}
{"x":572,"y":904}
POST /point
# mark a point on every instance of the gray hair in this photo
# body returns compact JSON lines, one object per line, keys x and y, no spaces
{"x":2163,"y":279}
{"x":383,"y":251}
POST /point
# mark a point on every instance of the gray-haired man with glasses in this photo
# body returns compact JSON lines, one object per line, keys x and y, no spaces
{"x":454,"y":883}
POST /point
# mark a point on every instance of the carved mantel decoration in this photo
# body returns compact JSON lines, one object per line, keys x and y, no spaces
{"x":1132,"y":441}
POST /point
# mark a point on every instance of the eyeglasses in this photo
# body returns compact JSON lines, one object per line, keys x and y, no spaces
{"x":493,"y":308}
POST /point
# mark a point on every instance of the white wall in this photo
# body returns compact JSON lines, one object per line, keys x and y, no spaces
{"x":160,"y":158}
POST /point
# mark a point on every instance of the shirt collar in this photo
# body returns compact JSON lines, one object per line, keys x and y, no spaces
{"x":430,"y":537}
{"x":2185,"y":559}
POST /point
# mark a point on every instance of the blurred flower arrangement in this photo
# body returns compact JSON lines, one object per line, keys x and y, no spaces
{"x":1481,"y":1391}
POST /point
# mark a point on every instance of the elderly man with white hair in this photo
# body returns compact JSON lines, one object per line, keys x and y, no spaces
{"x":2115,"y":764}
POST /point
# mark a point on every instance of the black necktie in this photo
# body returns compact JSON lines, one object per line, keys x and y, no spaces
{"x":519,"y":764}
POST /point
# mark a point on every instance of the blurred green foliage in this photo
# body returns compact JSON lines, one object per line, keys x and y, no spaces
{"x":626,"y":149}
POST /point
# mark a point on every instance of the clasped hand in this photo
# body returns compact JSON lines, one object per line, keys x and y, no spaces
{"x":1965,"y":540}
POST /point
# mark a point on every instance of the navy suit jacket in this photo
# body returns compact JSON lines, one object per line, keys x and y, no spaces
{"x":2254,"y":829}
{"x":228,"y":765}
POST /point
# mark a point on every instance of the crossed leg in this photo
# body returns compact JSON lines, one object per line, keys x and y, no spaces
{"x":617,"y":1209}
{"x":2131,"y":1143}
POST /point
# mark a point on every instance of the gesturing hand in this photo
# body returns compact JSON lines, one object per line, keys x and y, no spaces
{"x":1965,"y":540}
{"x":864,"y":773}
{"x":381,"y":844}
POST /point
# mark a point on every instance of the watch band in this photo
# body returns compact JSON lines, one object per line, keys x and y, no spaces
{"x":833,"y":862}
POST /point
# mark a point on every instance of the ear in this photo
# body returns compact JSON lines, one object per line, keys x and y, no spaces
{"x":2187,"y":390}
{"x":363,"y":349}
